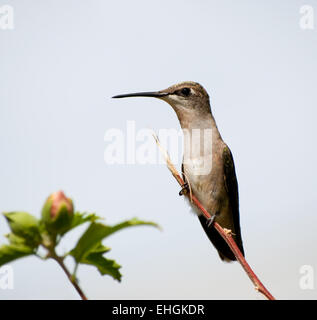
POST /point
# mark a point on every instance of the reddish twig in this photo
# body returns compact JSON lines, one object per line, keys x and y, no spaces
{"x":60,"y":260}
{"x":225,"y":233}
{"x":72,"y":279}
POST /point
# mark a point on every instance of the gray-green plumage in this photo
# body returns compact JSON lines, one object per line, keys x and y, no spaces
{"x":229,"y":220}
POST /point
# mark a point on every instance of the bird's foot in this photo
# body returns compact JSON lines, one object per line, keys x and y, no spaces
{"x":185,"y":189}
{"x":210,"y":220}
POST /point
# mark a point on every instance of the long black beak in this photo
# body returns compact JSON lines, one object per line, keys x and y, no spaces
{"x":154,"y":94}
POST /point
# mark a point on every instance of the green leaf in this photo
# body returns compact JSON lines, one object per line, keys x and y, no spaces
{"x":126,"y":224}
{"x":14,"y":239}
{"x":80,"y":218}
{"x":21,"y":222}
{"x":10,"y":252}
{"x":96,"y":232}
{"x":89,"y":241}
{"x":101,"y":249}
{"x":104,"y":265}
{"x":24,"y":225}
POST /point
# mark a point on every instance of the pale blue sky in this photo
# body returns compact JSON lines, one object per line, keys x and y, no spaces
{"x":59,"y":68}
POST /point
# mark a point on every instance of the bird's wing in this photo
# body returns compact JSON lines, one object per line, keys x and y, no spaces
{"x":231,"y":185}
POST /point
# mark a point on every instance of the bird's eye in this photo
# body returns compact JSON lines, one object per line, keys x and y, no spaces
{"x":185,"y":92}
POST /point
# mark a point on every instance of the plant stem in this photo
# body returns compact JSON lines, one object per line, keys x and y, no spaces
{"x":60,"y":260}
{"x":226,"y":235}
{"x":49,"y":244}
{"x":72,"y":279}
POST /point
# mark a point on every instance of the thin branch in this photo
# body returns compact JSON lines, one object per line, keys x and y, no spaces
{"x":51,"y":253}
{"x":225,"y":233}
{"x":72,"y":279}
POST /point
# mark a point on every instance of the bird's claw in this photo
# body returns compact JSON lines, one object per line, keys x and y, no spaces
{"x":210,"y":220}
{"x":185,"y":189}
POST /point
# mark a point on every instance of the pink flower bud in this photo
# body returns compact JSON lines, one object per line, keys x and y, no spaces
{"x":58,"y":200}
{"x":57,"y":213}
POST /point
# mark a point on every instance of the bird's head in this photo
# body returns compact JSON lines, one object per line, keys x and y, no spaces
{"x":186,"y":98}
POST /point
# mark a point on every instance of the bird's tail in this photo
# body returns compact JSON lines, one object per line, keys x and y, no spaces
{"x":220,"y":244}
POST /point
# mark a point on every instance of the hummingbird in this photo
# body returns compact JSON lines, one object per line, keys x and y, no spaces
{"x":208,"y":167}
